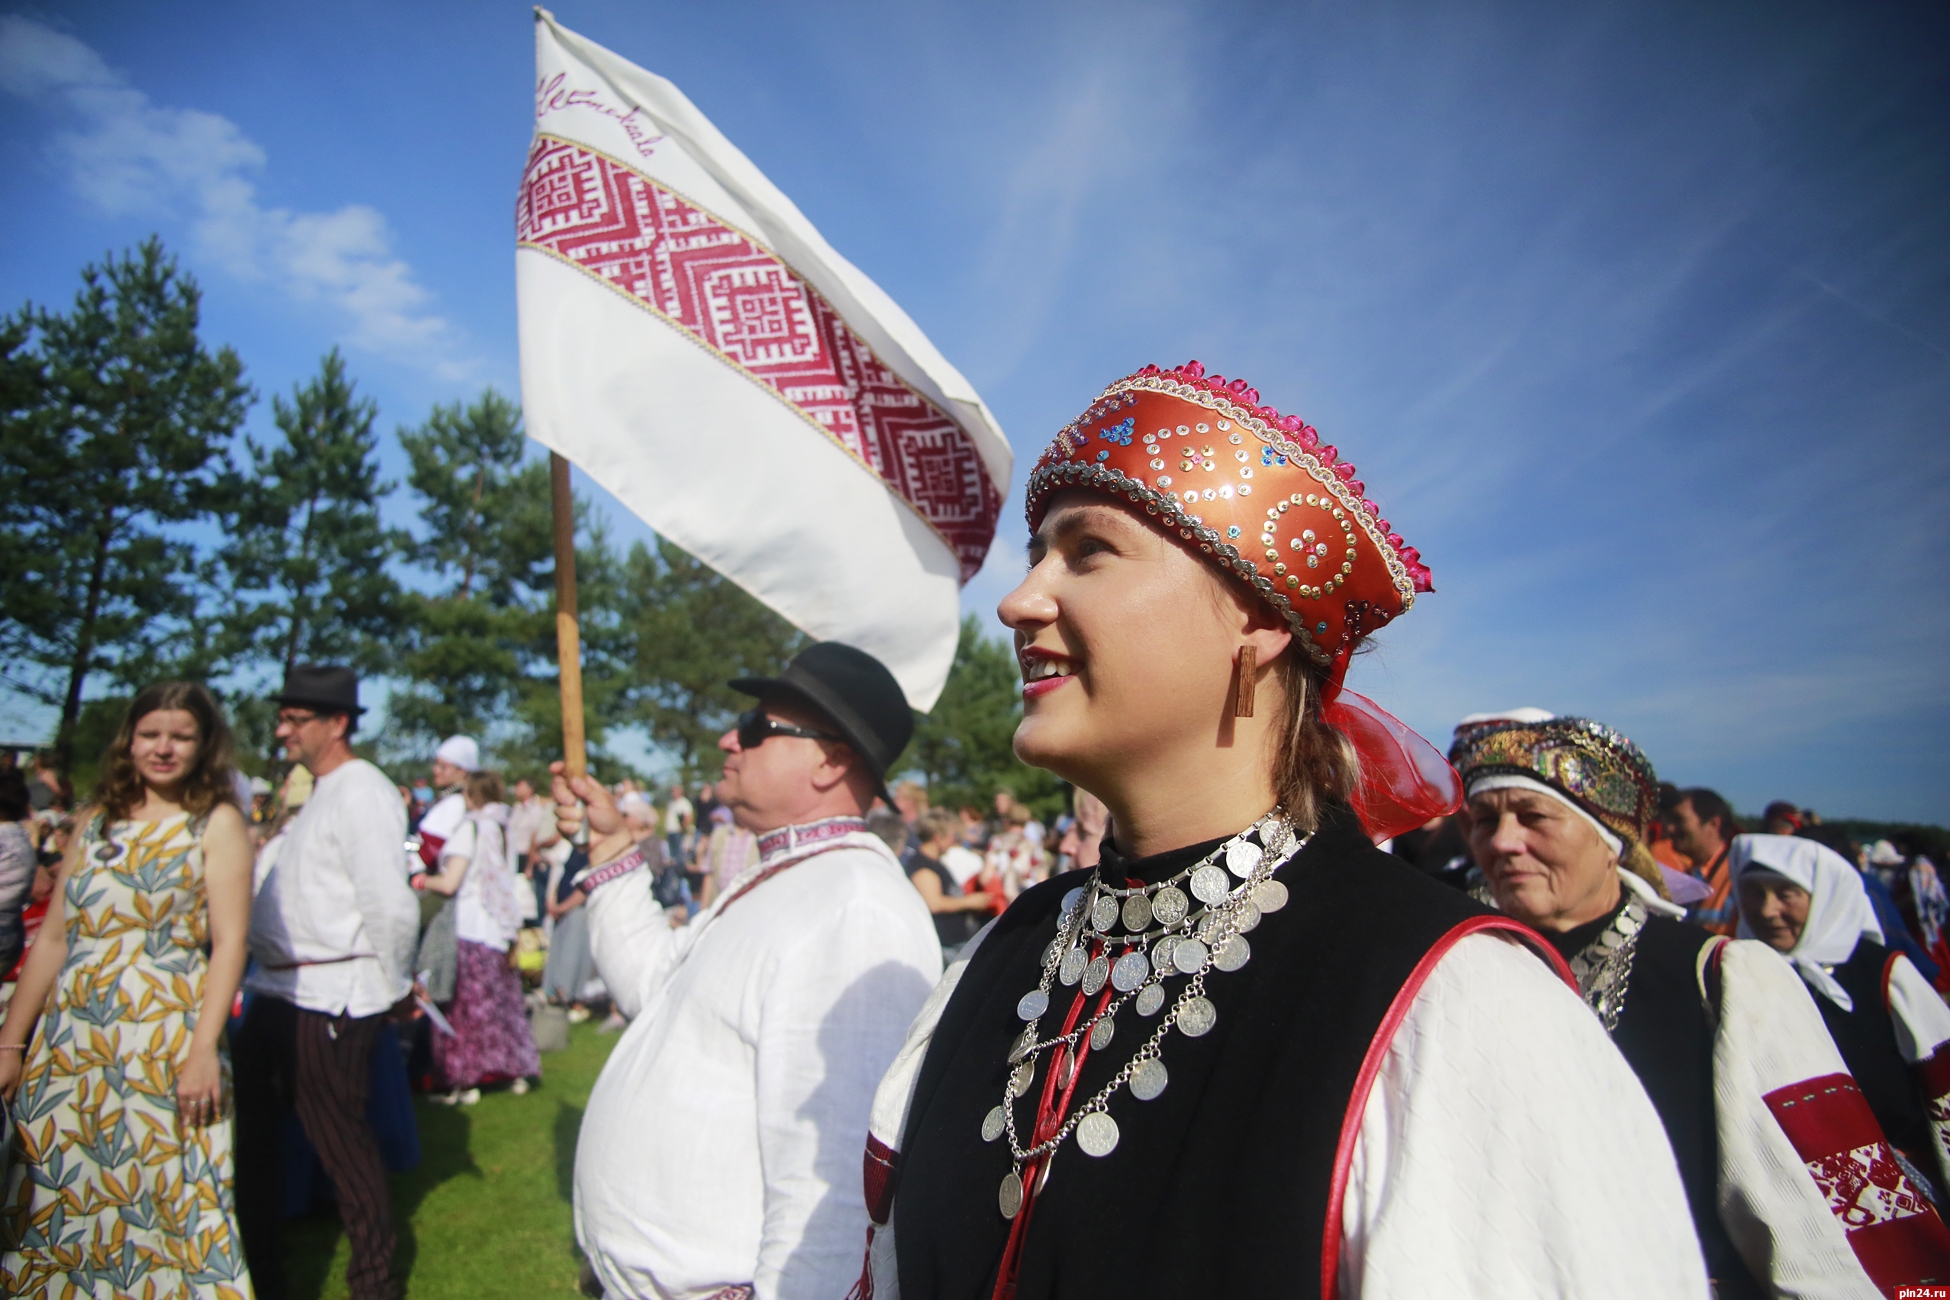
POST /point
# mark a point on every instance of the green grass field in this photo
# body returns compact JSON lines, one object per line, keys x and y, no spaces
{"x":486,"y":1213}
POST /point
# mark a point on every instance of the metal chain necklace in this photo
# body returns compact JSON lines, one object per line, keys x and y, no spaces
{"x":1604,"y":966}
{"x":1164,"y":936}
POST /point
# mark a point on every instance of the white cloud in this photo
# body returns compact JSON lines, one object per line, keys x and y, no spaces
{"x":127,"y":155}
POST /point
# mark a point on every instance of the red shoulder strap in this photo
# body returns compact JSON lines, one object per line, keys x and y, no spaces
{"x":1357,"y":1102}
{"x":1888,"y":969}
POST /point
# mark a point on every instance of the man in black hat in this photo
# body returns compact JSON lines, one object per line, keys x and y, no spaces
{"x":720,"y":1150}
{"x":333,"y":929}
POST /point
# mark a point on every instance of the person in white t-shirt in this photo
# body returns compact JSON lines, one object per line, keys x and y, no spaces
{"x":679,"y":818}
{"x":491,"y":1041}
{"x":456,"y":757}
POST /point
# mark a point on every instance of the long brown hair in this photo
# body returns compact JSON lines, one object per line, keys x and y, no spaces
{"x":208,"y":781}
{"x":1313,"y":764}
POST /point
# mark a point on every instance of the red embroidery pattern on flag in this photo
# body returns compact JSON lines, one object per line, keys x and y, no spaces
{"x":1893,"y":1230}
{"x":739,"y":299}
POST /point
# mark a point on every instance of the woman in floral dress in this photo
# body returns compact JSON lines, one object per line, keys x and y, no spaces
{"x":121,"y":1184}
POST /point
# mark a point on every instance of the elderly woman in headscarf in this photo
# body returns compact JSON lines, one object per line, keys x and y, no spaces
{"x":1793,"y":1188}
{"x":1806,"y":902}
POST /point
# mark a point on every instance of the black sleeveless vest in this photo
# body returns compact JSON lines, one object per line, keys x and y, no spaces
{"x":1220,"y":1185}
{"x":1664,"y":1034}
{"x":1866,"y":1038}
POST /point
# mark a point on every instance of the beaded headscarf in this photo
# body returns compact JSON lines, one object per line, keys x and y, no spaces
{"x":1268,"y":504}
{"x":1595,"y":768}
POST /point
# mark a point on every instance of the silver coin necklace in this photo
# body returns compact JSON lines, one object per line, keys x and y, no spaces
{"x":1157,"y":933}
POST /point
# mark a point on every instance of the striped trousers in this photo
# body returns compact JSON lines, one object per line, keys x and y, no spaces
{"x":288,"y":1058}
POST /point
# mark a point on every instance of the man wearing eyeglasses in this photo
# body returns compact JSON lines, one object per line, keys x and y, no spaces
{"x":333,"y":929}
{"x":719,"y":1153}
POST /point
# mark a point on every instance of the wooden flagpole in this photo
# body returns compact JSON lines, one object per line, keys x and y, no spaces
{"x":568,"y":642}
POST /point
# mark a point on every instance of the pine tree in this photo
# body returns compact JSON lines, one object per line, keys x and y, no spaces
{"x":486,"y":622}
{"x":306,"y":551}
{"x":125,"y":443}
{"x":686,"y":630}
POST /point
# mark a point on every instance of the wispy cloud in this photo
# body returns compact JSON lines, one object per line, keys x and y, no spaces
{"x":126,"y":154}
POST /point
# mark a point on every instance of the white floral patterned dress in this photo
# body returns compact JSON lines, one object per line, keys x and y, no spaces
{"x":110,"y":1195}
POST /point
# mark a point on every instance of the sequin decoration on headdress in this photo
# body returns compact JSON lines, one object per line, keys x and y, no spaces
{"x":1260,"y":496}
{"x":1599,"y":769}
{"x":1594,"y":767}
{"x":1255,"y":490}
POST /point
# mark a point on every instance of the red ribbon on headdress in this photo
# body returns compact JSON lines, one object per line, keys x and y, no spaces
{"x":1405,"y":781}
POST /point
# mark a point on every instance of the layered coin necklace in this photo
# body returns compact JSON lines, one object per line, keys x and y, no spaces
{"x":1604,"y":966}
{"x":1120,"y":946}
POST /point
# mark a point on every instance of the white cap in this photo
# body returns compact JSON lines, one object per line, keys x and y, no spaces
{"x":461,"y":751}
{"x":260,"y":786}
{"x":1884,"y":854}
{"x":1507,"y":715}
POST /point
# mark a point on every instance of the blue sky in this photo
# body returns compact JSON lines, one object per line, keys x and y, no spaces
{"x":1635,"y":318}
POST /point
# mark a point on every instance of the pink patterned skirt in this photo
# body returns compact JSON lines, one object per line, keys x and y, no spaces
{"x":490,"y":1042}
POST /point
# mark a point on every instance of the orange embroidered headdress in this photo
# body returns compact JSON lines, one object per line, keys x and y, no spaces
{"x":1262,"y":497}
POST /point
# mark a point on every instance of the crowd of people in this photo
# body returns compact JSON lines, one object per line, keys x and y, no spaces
{"x":1281,"y":1003}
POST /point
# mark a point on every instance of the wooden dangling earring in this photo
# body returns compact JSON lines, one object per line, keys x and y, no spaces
{"x":1242,"y":699}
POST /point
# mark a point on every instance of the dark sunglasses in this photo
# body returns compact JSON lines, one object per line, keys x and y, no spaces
{"x":754,"y":729}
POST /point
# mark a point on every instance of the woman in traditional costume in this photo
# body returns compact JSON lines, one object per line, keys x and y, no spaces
{"x":1792,"y":1188}
{"x":1807,"y":903}
{"x":1247,"y":1054}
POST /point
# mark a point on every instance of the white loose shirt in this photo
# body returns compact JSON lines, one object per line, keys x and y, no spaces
{"x":334,"y":924}
{"x":722,"y":1142}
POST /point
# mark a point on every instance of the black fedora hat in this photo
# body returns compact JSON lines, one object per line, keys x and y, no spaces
{"x":325,"y":687}
{"x":852,"y":689}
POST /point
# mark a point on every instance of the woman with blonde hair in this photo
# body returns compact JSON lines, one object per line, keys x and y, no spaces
{"x":123,"y":1179}
{"x":1247,"y":1053}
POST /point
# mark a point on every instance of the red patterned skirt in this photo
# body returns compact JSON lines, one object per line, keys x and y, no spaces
{"x":490,"y":1042}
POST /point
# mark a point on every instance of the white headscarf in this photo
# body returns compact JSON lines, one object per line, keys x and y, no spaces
{"x":1839,"y":913}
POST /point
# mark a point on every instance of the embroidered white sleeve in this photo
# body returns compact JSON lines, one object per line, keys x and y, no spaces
{"x":631,"y":941}
{"x":1508,"y":1152}
{"x":1770,"y":1035}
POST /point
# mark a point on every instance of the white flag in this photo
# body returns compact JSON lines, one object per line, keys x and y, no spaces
{"x":693,"y":344}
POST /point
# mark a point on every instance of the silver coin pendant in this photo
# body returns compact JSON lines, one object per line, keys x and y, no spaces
{"x":993,"y":1125}
{"x":1270,"y":896}
{"x":1103,"y":913}
{"x":1189,"y":955}
{"x":1024,"y":1075}
{"x":1245,"y":916}
{"x":1009,"y":1199}
{"x":1161,"y":953}
{"x":1101,"y":1034}
{"x":1148,"y":1079}
{"x":1209,"y":884}
{"x":1233,"y":953}
{"x":1097,"y":1134}
{"x":1243,"y":857}
{"x":1072,"y":899}
{"x":1131,"y":970}
{"x":1034,"y":1003}
{"x":1095,"y":975}
{"x":1169,"y":905}
{"x":1151,"y":999}
{"x":1196,"y":1016}
{"x":1020,"y":1049}
{"x":1072,"y":968}
{"x":1137,"y":913}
